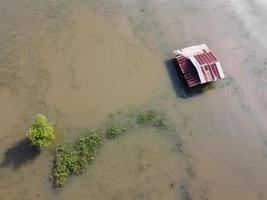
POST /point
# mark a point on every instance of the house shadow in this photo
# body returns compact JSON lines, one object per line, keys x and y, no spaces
{"x":179,"y":83}
{"x":20,"y":154}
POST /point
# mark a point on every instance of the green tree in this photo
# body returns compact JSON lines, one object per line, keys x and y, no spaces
{"x":41,"y":132}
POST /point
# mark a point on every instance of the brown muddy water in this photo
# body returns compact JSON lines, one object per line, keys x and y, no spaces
{"x":79,"y":61}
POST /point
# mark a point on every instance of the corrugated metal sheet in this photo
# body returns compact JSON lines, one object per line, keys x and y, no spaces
{"x":188,"y":70}
{"x":203,"y":60}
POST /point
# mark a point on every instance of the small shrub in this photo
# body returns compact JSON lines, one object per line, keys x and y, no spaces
{"x":152,"y":118}
{"x":66,"y":164}
{"x":41,"y":132}
{"x":115,"y":130}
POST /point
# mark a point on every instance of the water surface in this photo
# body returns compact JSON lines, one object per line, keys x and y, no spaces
{"x":79,"y":61}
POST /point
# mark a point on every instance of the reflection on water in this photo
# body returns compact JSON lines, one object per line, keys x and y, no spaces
{"x":79,"y":61}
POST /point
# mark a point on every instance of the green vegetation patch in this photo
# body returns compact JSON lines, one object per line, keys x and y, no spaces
{"x":73,"y":159}
{"x":87,"y":146}
{"x":66,"y":164}
{"x":152,"y":118}
{"x":41,"y":132}
{"x":115,"y":130}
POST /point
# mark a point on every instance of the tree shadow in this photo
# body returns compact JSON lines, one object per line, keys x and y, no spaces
{"x":20,"y":154}
{"x":179,"y":83}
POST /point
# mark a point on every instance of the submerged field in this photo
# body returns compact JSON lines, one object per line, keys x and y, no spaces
{"x":94,"y":65}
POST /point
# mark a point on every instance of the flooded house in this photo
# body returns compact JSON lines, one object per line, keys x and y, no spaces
{"x":198,"y":65}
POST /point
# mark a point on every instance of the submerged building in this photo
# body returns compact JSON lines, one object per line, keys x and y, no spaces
{"x":198,"y":65}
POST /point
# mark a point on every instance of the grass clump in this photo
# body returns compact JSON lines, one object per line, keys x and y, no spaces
{"x":152,"y":118}
{"x":115,"y":130}
{"x":73,"y":159}
{"x":41,"y":132}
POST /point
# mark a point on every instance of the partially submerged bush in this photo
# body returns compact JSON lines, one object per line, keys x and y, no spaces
{"x":115,"y":130}
{"x":41,"y":132}
{"x":152,"y":118}
{"x":87,"y":146}
{"x":73,"y":159}
{"x":66,"y":163}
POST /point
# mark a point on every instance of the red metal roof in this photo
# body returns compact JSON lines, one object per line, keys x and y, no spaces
{"x":200,"y":58}
{"x":206,"y":57}
{"x":188,"y":70}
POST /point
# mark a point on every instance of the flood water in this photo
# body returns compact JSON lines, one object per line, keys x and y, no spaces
{"x":79,"y":61}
